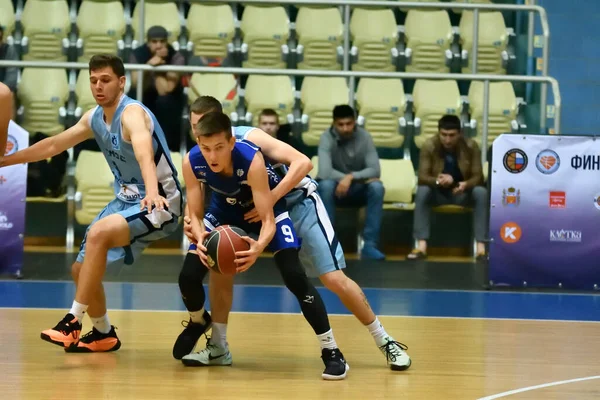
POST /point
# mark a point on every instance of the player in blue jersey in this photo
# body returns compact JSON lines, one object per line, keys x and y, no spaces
{"x":321,"y":254}
{"x":241,"y":180}
{"x":146,"y":207}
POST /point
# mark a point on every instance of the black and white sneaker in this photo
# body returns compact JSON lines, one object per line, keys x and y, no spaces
{"x":188,"y":338}
{"x":395,"y":354}
{"x":335,"y":365}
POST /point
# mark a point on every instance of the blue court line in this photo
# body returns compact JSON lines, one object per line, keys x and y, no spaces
{"x":275,"y":299}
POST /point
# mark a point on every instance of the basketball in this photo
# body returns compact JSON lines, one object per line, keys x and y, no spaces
{"x":221,"y":245}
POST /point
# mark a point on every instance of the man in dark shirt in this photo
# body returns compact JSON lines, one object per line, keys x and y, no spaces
{"x":450,"y":172}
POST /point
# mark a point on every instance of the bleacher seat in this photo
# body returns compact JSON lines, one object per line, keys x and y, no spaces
{"x":42,"y":94}
{"x":45,"y":24}
{"x":101,"y":26}
{"x":320,"y":33}
{"x":85,"y":99}
{"x":405,"y":10}
{"x":399,"y":181}
{"x":429,"y":36}
{"x":94,"y":187}
{"x":223,"y":87}
{"x":381,"y":102}
{"x":315,"y":169}
{"x":503,"y":109}
{"x":157,"y":12}
{"x":493,"y":41}
{"x":374,"y":33}
{"x":318,"y":97}
{"x":211,"y":29}
{"x":263,"y":91}
{"x":431,"y":100}
{"x":265,"y":30}
{"x":7,"y":17}
{"x":459,"y":10}
{"x":178,"y":163}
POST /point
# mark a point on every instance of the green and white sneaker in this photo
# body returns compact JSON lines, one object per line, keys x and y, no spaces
{"x":211,"y":355}
{"x":395,"y":354}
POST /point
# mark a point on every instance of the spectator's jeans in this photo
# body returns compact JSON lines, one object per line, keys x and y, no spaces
{"x":359,"y":194}
{"x":427,"y":197}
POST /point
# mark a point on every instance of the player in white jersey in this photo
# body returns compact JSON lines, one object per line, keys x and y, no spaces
{"x":6,"y":110}
{"x":146,"y":207}
{"x":321,"y":253}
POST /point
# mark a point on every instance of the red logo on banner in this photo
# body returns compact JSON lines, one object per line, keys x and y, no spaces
{"x":558,"y":200}
{"x":511,"y":232}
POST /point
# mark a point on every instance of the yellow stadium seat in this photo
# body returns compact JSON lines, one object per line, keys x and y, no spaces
{"x":7,"y":17}
{"x":319,"y":32}
{"x":101,"y":28}
{"x":42,"y":94}
{"x":157,"y":12}
{"x":46,"y":24}
{"x":315,"y":170}
{"x":399,"y":181}
{"x":178,"y":163}
{"x":211,"y":29}
{"x":492,"y":43}
{"x":374,"y":34}
{"x":431,"y":100}
{"x":459,"y":10}
{"x":85,"y":99}
{"x":405,"y":10}
{"x":94,"y":186}
{"x":265,"y":32}
{"x":264,"y":91}
{"x":381,"y":103}
{"x":503,"y":109}
{"x":223,"y":87}
{"x":428,"y":36}
{"x":319,"y":96}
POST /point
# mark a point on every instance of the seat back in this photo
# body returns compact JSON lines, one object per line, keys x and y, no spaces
{"x":493,"y":40}
{"x":263,"y":91}
{"x":502,"y":109}
{"x":429,"y":35}
{"x":374,"y":32}
{"x":319,"y":95}
{"x":45,"y":23}
{"x":101,"y":25}
{"x":265,"y":30}
{"x":7,"y":17}
{"x":211,"y":29}
{"x":382,"y":102}
{"x":223,"y":87}
{"x":158,"y":12}
{"x":398,"y":178}
{"x":85,"y":99}
{"x":320,"y":32}
{"x":94,"y":185}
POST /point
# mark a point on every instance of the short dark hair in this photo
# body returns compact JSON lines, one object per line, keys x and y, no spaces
{"x":268,"y":112}
{"x":99,"y":61}
{"x":206,"y":104}
{"x":214,"y":123}
{"x":449,"y":123}
{"x":343,"y":111}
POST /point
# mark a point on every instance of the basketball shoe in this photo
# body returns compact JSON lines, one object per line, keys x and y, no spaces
{"x":395,"y":354}
{"x":335,"y":365}
{"x":96,"y":342}
{"x":187,"y":340}
{"x":65,"y":333}
{"x":211,"y":355}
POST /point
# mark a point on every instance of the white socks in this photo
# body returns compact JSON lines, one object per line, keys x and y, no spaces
{"x":101,"y":324}
{"x":219,"y":334}
{"x":327,"y":341}
{"x":197,"y":316}
{"x":379,"y":334}
{"x":78,"y":310}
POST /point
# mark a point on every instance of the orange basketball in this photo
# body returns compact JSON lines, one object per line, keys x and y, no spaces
{"x":221,"y":245}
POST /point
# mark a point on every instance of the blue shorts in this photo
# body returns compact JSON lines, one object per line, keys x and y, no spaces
{"x":144,"y":229}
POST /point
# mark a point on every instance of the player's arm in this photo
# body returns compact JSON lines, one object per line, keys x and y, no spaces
{"x":53,"y":145}
{"x":258,"y":180}
{"x":299,"y":165}
{"x":194,"y":208}
{"x":137,"y":128}
{"x":6,"y":109}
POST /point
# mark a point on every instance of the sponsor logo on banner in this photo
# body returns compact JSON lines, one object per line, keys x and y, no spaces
{"x":511,"y":197}
{"x":510,"y":232}
{"x":5,"y":224}
{"x":558,"y":200}
{"x":597,"y":201}
{"x":11,"y":145}
{"x":564,"y":235}
{"x":586,"y":162}
{"x":515,"y":161}
{"x":547,"y":162}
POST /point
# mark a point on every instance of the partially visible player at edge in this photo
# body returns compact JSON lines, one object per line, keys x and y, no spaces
{"x":321,"y":253}
{"x":241,"y":181}
{"x":6,"y":109}
{"x":146,"y":208}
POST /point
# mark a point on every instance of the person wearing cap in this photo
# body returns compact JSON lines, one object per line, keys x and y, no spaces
{"x":163,"y":92}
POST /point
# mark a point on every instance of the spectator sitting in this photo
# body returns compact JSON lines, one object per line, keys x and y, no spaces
{"x":349,"y":171}
{"x":163,"y":92}
{"x":450,"y":172}
{"x":268,"y":121}
{"x":8,"y":75}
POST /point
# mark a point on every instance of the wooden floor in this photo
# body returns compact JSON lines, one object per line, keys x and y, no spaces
{"x":276,"y":356}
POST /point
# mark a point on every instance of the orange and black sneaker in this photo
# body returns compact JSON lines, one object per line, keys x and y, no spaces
{"x":96,"y":342}
{"x":66,"y":333}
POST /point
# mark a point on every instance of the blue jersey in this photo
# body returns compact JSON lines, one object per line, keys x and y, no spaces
{"x":129,"y":183}
{"x":302,"y":190}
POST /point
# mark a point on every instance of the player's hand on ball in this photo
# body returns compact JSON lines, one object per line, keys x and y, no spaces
{"x":252,"y":216}
{"x":187,"y":229}
{"x":157,"y":201}
{"x":246,"y":258}
{"x":201,"y":249}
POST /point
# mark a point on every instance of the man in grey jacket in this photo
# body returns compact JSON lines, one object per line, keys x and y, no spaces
{"x":349,"y":174}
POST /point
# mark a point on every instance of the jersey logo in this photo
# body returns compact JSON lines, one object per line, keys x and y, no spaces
{"x":240,"y":172}
{"x":114,"y":140}
{"x":231,"y":200}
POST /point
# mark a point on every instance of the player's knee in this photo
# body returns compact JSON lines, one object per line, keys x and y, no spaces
{"x":75,"y":270}
{"x":192,"y":273}
{"x":98,"y":235}
{"x":376,"y":189}
{"x":335,"y":281}
{"x":221,"y":285}
{"x":291,"y":270}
